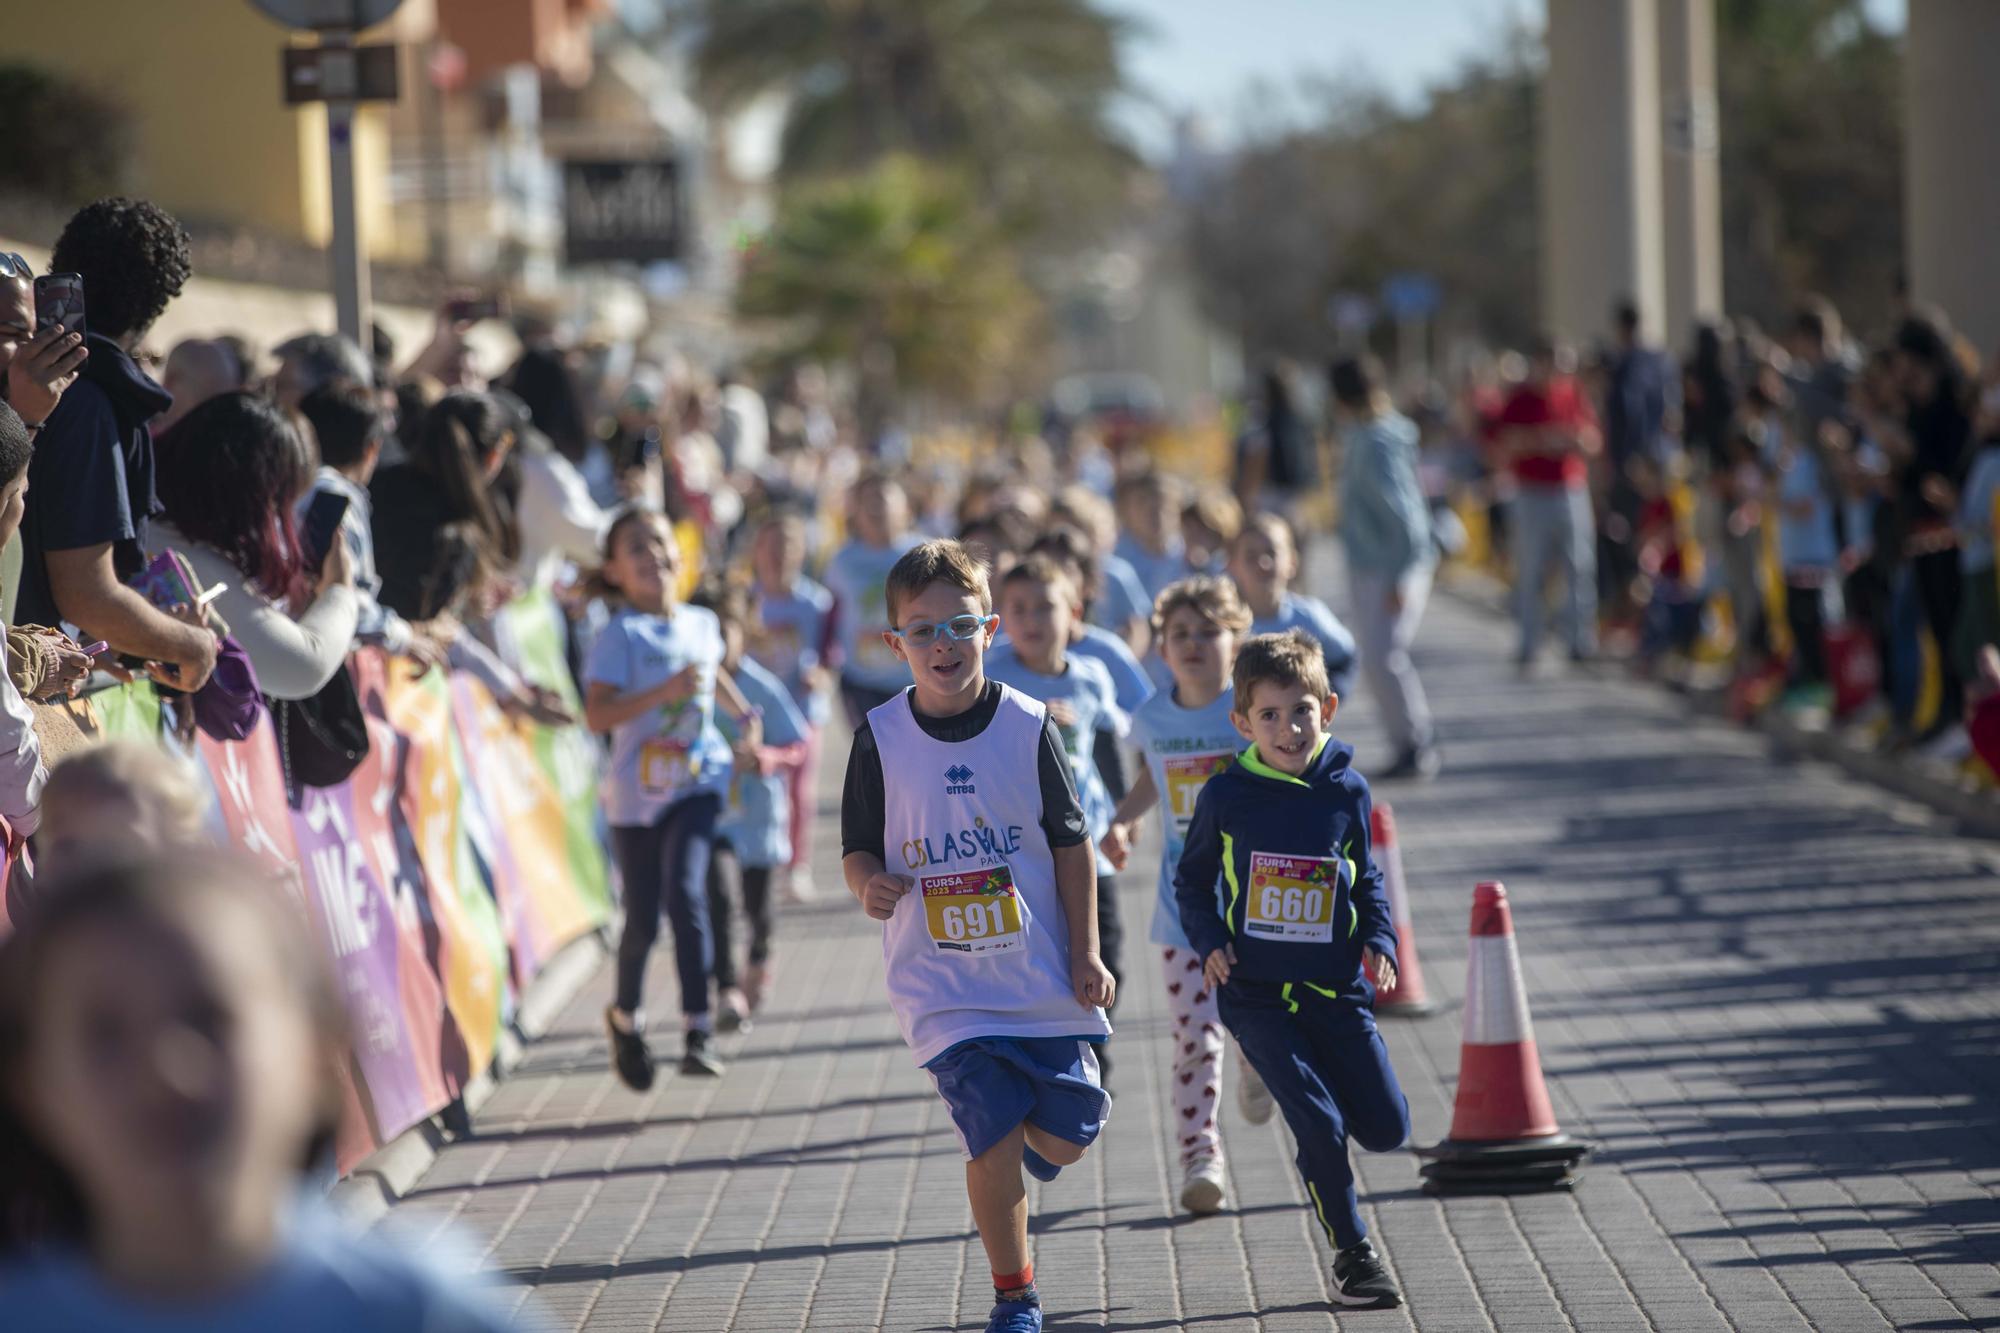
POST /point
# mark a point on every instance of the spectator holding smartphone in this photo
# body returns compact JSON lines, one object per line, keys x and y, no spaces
{"x":230,"y":483}
{"x":92,"y":472}
{"x":36,"y":365}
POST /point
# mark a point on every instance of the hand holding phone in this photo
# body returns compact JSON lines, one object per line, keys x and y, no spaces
{"x":319,"y":531}
{"x":59,"y":302}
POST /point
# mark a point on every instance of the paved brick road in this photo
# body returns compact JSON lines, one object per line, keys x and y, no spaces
{"x":1773,"y":995}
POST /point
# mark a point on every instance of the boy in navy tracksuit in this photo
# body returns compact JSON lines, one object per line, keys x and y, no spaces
{"x":1305,"y":923}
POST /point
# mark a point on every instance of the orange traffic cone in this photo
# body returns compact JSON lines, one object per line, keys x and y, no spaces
{"x":1407,"y":995}
{"x":1504,"y":1137}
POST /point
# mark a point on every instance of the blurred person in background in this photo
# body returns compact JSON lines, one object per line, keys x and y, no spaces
{"x":120,"y":799}
{"x":1385,"y":530}
{"x":793,"y":638}
{"x":1149,"y":521}
{"x":230,"y":486}
{"x":21,"y":772}
{"x":744,"y":427}
{"x":1979,"y":605}
{"x":1118,"y":601}
{"x":1277,"y":458}
{"x":446,"y":537}
{"x":196,"y":370}
{"x":1939,"y":426}
{"x":36,"y":365}
{"x":93,"y":468}
{"x":169,"y":1041}
{"x":1641,"y":404}
{"x":878,"y":527}
{"x":1548,"y":434}
{"x":309,"y":360}
{"x":349,"y":428}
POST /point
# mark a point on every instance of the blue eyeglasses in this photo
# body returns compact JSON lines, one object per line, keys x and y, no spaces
{"x":13,"y":266}
{"x":958,"y":627}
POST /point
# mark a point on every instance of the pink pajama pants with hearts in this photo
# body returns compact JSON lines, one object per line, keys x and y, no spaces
{"x":1197,"y":1077}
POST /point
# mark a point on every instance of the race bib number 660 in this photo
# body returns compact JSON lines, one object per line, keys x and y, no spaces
{"x":1292,"y":898}
{"x":972,"y":911}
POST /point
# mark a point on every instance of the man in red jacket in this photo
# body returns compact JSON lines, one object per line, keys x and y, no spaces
{"x":1548,"y":434}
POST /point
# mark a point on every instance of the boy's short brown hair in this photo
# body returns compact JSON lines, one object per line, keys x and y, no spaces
{"x":1041,"y":569}
{"x":939,"y":561}
{"x":1291,"y":658}
{"x":1217,"y":511}
{"x":1213,"y":599}
{"x":1271,"y":526}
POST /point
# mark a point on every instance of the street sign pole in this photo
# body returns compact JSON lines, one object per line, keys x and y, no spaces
{"x":351,"y":295}
{"x":339,"y":74}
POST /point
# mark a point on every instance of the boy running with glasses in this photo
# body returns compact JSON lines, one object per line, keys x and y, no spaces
{"x":962,"y":831}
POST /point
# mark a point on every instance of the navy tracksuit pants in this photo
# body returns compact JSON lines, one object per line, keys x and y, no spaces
{"x":1329,"y":1073}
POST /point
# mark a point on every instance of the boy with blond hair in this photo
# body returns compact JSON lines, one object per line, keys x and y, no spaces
{"x":962,"y":832}
{"x":1302,"y":928}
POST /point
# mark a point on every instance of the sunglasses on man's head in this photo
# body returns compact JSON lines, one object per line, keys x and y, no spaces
{"x":958,"y":627}
{"x":13,"y":266}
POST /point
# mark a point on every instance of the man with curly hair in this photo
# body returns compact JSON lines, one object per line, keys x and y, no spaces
{"x":92,"y":474}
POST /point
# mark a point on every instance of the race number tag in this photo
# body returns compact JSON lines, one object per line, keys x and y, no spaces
{"x":973,"y":911}
{"x":1292,"y":897}
{"x":666,"y":766}
{"x":1186,"y":776}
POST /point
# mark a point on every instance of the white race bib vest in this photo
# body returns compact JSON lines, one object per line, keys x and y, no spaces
{"x":979,"y":947}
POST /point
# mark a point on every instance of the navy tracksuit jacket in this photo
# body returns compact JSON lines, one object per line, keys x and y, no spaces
{"x":1301,"y":898}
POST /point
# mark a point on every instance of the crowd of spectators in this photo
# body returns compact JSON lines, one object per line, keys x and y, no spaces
{"x":1811,"y":511}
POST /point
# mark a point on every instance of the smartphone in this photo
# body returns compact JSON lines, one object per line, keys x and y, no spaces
{"x":470,"y":310}
{"x":321,"y":527}
{"x":59,"y":300}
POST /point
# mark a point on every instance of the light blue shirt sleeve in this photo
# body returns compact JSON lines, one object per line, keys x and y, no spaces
{"x":610,"y":661}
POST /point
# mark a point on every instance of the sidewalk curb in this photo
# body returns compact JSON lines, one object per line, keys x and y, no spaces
{"x":392,"y":1170}
{"x":1975,"y":814}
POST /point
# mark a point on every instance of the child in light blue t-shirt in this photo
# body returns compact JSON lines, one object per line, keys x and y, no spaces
{"x":753,"y":838}
{"x":879,"y":520}
{"x":793,"y":638}
{"x":1187,"y":737}
{"x":1039,"y":607}
{"x":653,"y":682}
{"x":1264,"y":561}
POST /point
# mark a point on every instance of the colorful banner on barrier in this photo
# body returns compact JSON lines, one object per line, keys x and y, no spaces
{"x":530,"y":633}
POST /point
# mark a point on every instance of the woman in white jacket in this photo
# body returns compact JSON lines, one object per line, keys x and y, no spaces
{"x":229,"y":481}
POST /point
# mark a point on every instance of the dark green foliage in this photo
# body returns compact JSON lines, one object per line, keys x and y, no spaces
{"x":60,"y":141}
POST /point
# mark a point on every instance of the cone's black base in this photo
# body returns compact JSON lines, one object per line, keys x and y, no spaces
{"x":1459,"y":1188}
{"x":1548,"y":1148}
{"x":1518,"y":1166}
{"x":1404,"y":1010}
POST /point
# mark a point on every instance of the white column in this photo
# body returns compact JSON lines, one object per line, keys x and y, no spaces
{"x":1951,"y":153}
{"x":1600,"y":167}
{"x":1691,"y":181}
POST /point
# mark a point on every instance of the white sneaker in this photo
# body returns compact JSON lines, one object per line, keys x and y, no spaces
{"x":1253,"y":1099}
{"x":1201,"y":1189}
{"x":1947,"y":747}
{"x":799,"y":887}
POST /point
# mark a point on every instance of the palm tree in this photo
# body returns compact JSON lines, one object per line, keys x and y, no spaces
{"x":898,"y":272}
{"x":1017,"y":90}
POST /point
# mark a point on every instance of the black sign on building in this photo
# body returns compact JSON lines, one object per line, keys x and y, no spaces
{"x":622,"y":211}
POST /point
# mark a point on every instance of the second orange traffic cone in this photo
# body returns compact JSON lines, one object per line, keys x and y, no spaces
{"x":1407,"y":995}
{"x":1504,"y":1137}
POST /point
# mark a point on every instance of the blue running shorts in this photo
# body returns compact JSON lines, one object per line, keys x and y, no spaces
{"x":992,"y":1084}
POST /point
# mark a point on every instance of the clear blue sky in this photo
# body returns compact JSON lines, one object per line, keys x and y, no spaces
{"x":1203,"y":55}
